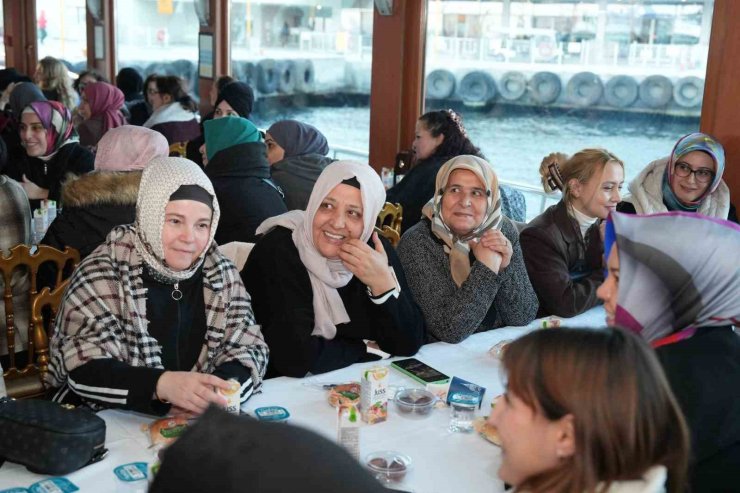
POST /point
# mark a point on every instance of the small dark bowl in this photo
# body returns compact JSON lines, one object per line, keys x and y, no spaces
{"x":415,"y":402}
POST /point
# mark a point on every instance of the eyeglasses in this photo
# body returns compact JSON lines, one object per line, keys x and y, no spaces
{"x":703,"y":175}
{"x":152,"y":92}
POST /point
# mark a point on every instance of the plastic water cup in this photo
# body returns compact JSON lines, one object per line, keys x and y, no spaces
{"x":462,"y":412}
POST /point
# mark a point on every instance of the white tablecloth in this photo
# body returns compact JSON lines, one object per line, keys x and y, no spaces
{"x":442,"y":461}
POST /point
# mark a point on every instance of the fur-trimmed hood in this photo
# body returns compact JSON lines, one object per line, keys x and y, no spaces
{"x":102,"y":188}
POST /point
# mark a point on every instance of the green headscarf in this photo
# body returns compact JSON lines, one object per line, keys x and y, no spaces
{"x":222,"y":133}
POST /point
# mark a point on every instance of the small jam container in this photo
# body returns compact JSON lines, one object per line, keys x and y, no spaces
{"x":415,"y":402}
{"x":272,"y":414}
{"x":388,"y":466}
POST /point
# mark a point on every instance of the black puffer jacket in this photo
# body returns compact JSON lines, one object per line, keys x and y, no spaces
{"x":246,"y":194}
{"x":93,"y":205}
{"x":70,"y":158}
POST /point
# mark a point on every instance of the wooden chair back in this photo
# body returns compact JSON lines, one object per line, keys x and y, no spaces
{"x":22,"y":258}
{"x":404,"y":162}
{"x":389,"y":222}
{"x":179,"y":149}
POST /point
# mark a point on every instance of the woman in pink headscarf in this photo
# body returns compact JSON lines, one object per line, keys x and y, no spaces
{"x":96,"y":202}
{"x":100,"y":108}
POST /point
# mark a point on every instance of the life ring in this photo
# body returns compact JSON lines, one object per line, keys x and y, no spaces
{"x":688,"y":91}
{"x":477,"y":88}
{"x":584,"y":89}
{"x":512,"y":85}
{"x":545,"y":87}
{"x":305,"y":76}
{"x":267,"y":76}
{"x":159,"y":69}
{"x":440,"y":84}
{"x":621,"y":91}
{"x":286,"y":76}
{"x":656,"y":91}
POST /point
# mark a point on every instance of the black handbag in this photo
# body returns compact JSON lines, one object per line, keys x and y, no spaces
{"x":50,"y":438}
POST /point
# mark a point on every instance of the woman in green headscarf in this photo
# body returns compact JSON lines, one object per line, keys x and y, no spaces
{"x":236,"y":162}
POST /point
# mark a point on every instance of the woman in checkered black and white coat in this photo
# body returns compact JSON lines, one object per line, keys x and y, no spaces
{"x":156,"y":319}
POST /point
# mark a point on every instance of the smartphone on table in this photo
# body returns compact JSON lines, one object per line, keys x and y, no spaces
{"x":420,"y":371}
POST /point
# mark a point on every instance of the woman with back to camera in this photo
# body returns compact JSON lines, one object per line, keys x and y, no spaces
{"x":156,"y":317}
{"x":53,"y":79}
{"x":587,"y":411}
{"x":689,"y":180}
{"x":325,"y":296}
{"x":463,"y":260}
{"x":53,"y":150}
{"x":563,"y":246}
{"x":297,"y":153}
{"x":674,"y":279}
{"x":173,"y":110}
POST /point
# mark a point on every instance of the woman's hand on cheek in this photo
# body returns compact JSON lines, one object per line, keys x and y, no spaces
{"x":495,"y":240}
{"x":368,"y":264}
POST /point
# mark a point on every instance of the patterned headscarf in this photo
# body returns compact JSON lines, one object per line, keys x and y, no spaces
{"x":457,"y":246}
{"x":689,"y":143}
{"x":129,"y":148}
{"x":667,"y":290}
{"x":159,"y":181}
{"x":327,"y":275}
{"x":105,"y":100}
{"x":57,"y":120}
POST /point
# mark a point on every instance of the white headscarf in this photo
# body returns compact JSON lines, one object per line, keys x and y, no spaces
{"x":159,"y":181}
{"x":328,"y":275}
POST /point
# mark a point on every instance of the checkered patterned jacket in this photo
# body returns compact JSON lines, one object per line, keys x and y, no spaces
{"x":103,"y":315}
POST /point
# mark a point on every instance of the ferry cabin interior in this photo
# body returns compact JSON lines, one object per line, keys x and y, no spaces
{"x":398,"y":47}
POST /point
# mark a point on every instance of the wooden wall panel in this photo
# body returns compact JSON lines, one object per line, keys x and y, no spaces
{"x":19,"y":18}
{"x":720,"y":114}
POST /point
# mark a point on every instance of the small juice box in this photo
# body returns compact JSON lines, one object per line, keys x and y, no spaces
{"x":374,"y":395}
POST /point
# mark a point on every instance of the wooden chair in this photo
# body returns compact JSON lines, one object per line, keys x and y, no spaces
{"x":389,"y":221}
{"x":179,"y":149}
{"x":26,"y":381}
{"x":404,"y":162}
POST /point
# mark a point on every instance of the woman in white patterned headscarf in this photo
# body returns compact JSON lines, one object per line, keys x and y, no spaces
{"x":156,"y":317}
{"x":326,"y":290}
{"x":674,"y":278}
{"x":463,"y":261}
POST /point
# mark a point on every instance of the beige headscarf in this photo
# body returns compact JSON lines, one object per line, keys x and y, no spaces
{"x":457,"y":246}
{"x":327,"y":275}
{"x":159,"y":181}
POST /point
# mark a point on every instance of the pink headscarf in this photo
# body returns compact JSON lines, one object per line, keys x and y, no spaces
{"x":129,"y":148}
{"x":105,"y":100}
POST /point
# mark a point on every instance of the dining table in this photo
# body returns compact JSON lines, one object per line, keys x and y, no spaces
{"x":442,"y":461}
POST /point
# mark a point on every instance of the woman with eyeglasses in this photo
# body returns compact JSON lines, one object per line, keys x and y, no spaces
{"x":689,"y":180}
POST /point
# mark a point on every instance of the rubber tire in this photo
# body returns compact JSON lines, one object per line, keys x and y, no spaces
{"x":545,"y":87}
{"x":512,"y":85}
{"x":286,"y":75}
{"x":694,"y":85}
{"x":477,"y":88}
{"x":656,"y":91}
{"x":305,"y":79}
{"x":621,"y":91}
{"x":584,"y":89}
{"x":440,"y":84}
{"x":267,"y":76}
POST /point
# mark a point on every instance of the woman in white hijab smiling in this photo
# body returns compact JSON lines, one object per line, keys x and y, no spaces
{"x":325,"y":289}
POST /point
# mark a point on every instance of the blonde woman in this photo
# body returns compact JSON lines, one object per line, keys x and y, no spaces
{"x":563,"y":246}
{"x":53,"y":79}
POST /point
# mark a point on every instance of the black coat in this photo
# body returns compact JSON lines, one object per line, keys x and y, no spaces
{"x":70,"y":158}
{"x":704,"y":373}
{"x":246,"y":195}
{"x":282,"y":300}
{"x":416,"y":189}
{"x":565,"y":269}
{"x":94,"y":204}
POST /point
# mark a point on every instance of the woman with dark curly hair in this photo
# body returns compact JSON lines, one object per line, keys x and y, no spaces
{"x":440,"y":136}
{"x":174,"y":110}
